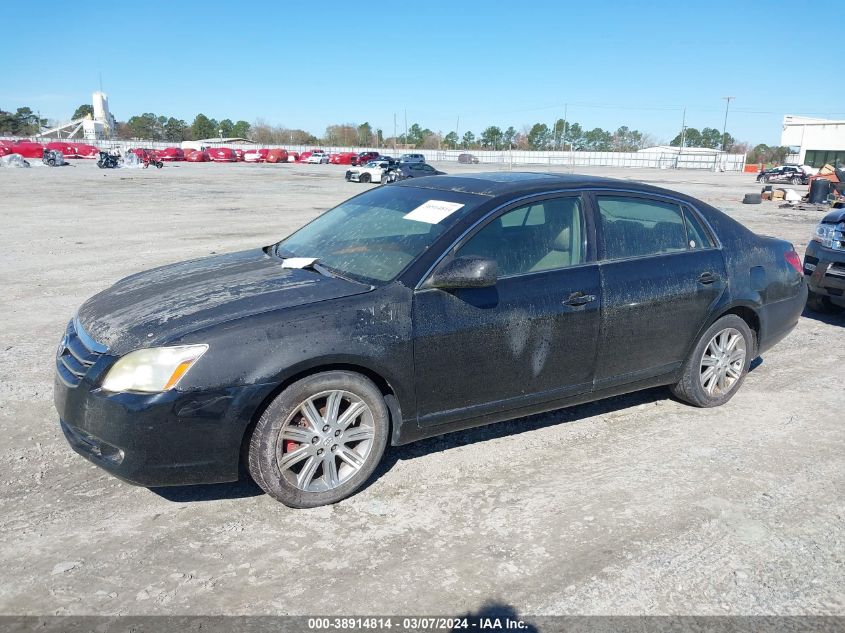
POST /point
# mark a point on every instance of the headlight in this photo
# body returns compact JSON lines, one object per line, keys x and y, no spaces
{"x":824,"y":234}
{"x":152,"y":370}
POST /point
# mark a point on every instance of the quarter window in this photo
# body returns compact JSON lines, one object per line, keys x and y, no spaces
{"x":532,"y":238}
{"x":633,"y":227}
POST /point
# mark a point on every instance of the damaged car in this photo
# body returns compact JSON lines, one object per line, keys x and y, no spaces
{"x":409,"y":311}
{"x":824,"y":264}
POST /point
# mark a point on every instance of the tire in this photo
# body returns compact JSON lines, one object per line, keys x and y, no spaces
{"x":159,"y":165}
{"x":331,"y":468}
{"x":821,"y":303}
{"x":796,"y":181}
{"x":51,"y":162}
{"x":710,"y":391}
{"x":100,"y":164}
{"x":766,"y":178}
{"x":752,"y":198}
{"x":364,"y":178}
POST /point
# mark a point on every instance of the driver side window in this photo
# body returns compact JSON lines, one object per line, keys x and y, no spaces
{"x":540,"y":236}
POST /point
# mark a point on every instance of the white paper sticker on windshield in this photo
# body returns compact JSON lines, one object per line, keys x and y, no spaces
{"x":433,"y":211}
{"x":298,"y":262}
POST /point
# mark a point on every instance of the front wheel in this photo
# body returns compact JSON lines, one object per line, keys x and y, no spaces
{"x":100,"y":164}
{"x":796,"y":181}
{"x":766,"y":179}
{"x":320,"y":440}
{"x":364,"y":178}
{"x":718,"y":364}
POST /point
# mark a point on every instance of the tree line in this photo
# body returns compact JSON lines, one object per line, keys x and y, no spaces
{"x":561,"y":135}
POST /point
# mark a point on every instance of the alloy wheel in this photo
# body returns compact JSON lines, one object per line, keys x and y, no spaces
{"x":723,"y":361}
{"x":325,"y":441}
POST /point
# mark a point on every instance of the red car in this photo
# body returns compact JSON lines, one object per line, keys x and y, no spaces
{"x":68,"y":150}
{"x":293,"y":157}
{"x":197,"y":156}
{"x":5,"y":150}
{"x":222,"y":155}
{"x":364,"y":157}
{"x":256,"y":155}
{"x":239,"y":153}
{"x":171,"y":154}
{"x":28,"y":149}
{"x":343,"y":158}
{"x":86,"y":151}
{"x":277,"y":156}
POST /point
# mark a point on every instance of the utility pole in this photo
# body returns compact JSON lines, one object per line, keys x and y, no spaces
{"x":394,"y":132}
{"x":406,"y":127}
{"x":458,"y":129}
{"x":725,"y":126}
{"x":565,"y":123}
{"x":683,"y":128}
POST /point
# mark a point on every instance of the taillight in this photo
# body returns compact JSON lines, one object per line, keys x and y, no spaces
{"x":793,"y":260}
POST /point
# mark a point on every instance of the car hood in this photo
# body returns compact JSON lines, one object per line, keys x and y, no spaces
{"x":161,"y":305}
{"x":835,"y":216}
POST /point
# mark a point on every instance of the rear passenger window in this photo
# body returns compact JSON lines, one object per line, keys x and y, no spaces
{"x":633,"y":227}
{"x":698,"y":237}
{"x":533,"y":238}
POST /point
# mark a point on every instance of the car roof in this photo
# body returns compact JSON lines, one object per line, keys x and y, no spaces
{"x":503,"y":183}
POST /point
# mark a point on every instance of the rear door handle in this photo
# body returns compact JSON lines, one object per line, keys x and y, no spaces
{"x":707,"y":278}
{"x":579,"y":299}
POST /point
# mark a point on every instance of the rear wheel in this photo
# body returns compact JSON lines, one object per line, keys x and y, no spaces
{"x":320,"y":440}
{"x":796,"y":180}
{"x":718,"y":364}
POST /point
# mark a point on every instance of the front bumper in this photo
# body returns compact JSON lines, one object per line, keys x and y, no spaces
{"x":164,"y":439}
{"x":824,"y":269}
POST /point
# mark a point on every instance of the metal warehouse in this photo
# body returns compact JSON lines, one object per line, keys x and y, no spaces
{"x":814,"y":142}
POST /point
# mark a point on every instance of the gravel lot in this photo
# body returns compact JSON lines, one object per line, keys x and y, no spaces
{"x":633,"y":505}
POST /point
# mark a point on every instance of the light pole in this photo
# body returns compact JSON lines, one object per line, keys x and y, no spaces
{"x":725,"y":126}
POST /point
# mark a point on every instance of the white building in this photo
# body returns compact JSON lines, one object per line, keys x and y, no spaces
{"x":813,"y":142}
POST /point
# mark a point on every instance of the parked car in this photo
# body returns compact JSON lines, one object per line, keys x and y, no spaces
{"x":412,"y":158}
{"x":824,"y":264}
{"x":67,"y":150}
{"x":86,"y":151}
{"x":342,"y":158}
{"x":317,"y":158}
{"x":364,"y":157}
{"x":413,"y":170}
{"x":374,"y":171}
{"x":197,"y":156}
{"x":786,"y":173}
{"x":171,"y":154}
{"x":256,"y":155}
{"x":278,"y":156}
{"x":468,"y":159}
{"x":527,"y":293}
{"x":222,"y":155}
{"x":239,"y":153}
{"x":28,"y":149}
{"x":5,"y":150}
{"x":293,"y":157}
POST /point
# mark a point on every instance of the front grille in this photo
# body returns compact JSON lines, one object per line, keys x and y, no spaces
{"x":76,"y":354}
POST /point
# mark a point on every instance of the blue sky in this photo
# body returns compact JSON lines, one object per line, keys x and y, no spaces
{"x":310,"y":64}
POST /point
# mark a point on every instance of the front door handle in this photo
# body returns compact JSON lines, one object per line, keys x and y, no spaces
{"x":578,"y":299}
{"x":707,"y":278}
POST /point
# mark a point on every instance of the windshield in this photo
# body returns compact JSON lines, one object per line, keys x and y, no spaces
{"x":375,"y":236}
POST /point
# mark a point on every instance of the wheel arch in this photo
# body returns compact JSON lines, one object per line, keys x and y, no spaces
{"x":383,"y":384}
{"x":745,"y":311}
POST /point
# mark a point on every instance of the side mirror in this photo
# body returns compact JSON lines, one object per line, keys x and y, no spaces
{"x":465,"y":272}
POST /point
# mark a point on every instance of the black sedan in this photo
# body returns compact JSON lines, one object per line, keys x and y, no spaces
{"x":787,"y":173}
{"x":412,"y":310}
{"x":403,"y":171}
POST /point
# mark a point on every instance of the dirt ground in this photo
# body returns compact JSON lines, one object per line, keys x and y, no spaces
{"x":634,"y":505}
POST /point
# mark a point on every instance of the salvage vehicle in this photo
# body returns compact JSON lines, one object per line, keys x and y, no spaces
{"x":342,"y":158}
{"x":53,"y":158}
{"x":412,"y":310}
{"x":824,"y":264}
{"x":786,"y":173}
{"x":28,"y":149}
{"x":412,"y":158}
{"x":67,"y":150}
{"x":171,"y":154}
{"x":256,"y":155}
{"x":413,"y":170}
{"x":108,"y":160}
{"x":468,"y":159}
{"x":197,"y":156}
{"x":222,"y":155}
{"x":374,"y":171}
{"x":316,"y":158}
{"x":364,"y":157}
